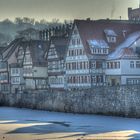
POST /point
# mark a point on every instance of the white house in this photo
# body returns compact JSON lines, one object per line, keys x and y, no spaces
{"x":123,"y":65}
{"x":77,"y":62}
{"x":56,"y":62}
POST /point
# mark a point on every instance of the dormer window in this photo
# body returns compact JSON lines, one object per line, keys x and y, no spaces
{"x":111,"y":39}
{"x":110,"y":35}
{"x":98,"y":46}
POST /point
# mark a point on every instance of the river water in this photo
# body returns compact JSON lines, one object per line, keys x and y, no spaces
{"x":26,"y":124}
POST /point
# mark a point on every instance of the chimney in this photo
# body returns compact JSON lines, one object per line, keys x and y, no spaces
{"x":120,"y":17}
{"x":124,"y":33}
{"x":129,"y":13}
{"x":46,"y":34}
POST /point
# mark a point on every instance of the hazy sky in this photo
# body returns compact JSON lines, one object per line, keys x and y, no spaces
{"x":66,"y":9}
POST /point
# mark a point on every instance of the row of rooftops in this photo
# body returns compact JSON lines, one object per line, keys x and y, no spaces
{"x":92,"y":33}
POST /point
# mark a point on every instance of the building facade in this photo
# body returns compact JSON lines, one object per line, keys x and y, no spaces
{"x":134,"y":14}
{"x":91,"y":43}
{"x":123,"y":65}
{"x":56,"y":62}
{"x":23,"y":65}
{"x":17,"y":83}
{"x":8,"y":56}
{"x":31,"y":56}
{"x":94,"y":53}
{"x":77,"y":62}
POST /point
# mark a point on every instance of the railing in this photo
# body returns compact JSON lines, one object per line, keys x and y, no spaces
{"x":97,"y":71}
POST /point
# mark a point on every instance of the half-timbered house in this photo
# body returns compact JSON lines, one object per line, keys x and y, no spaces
{"x":31,"y":54}
{"x":56,"y":62}
{"x":8,"y":56}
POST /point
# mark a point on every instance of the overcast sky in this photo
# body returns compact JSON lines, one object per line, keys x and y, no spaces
{"x":66,"y":9}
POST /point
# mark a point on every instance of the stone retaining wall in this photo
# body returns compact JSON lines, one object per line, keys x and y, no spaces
{"x":120,"y":101}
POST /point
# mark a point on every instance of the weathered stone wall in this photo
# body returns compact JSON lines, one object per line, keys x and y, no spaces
{"x":121,"y":101}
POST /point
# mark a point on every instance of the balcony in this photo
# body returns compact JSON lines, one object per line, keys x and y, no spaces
{"x":97,"y":71}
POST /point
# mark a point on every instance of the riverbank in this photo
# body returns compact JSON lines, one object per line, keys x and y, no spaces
{"x":116,"y":101}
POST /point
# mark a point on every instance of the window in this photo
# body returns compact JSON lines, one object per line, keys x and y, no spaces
{"x":99,"y":51}
{"x":27,"y":70}
{"x":99,"y":79}
{"x":78,"y":65}
{"x":94,"y":79}
{"x":15,"y":71}
{"x":15,"y":80}
{"x":113,"y":65}
{"x":72,"y":52}
{"x":111,"y":39}
{"x":118,"y":65}
{"x":137,"y":64}
{"x":4,"y":87}
{"x":105,"y":51}
{"x":78,"y":41}
{"x":93,"y":65}
{"x":69,"y":53}
{"x":81,"y":52}
{"x":74,"y":79}
{"x":73,"y":42}
{"x":94,"y":51}
{"x":98,"y":64}
{"x":132,"y":64}
{"x":133,"y":81}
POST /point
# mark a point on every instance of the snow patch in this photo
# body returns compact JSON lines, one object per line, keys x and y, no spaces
{"x":126,"y":44}
{"x":97,"y":43}
{"x":110,"y":32}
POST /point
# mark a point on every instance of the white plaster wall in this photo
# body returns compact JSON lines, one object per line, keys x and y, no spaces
{"x":40,"y":72}
{"x":125,"y":68}
{"x":30,"y":84}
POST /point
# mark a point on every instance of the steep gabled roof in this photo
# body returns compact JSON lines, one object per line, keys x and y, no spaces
{"x":89,"y":30}
{"x":2,"y":49}
{"x":126,"y":53}
{"x":61,"y":45}
{"x":8,"y":51}
{"x":136,"y":11}
{"x":37,"y":49}
{"x":125,"y":47}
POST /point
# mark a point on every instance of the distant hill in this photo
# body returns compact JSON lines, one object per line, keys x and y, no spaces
{"x":9,"y":29}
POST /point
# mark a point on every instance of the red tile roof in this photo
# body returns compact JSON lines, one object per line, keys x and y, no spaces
{"x":89,"y":30}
